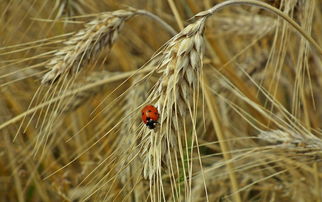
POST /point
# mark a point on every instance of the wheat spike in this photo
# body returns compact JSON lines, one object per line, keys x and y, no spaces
{"x":180,"y":65}
{"x":290,"y":139}
{"x":243,"y":24}
{"x":86,"y":43}
{"x":132,"y":165}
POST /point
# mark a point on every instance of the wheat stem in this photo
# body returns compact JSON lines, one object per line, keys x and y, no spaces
{"x":214,"y":114}
{"x":176,"y":14}
{"x":159,"y":20}
{"x":266,"y":7}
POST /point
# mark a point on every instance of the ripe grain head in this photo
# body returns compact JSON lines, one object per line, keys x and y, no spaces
{"x":180,"y":65}
{"x":85,"y":44}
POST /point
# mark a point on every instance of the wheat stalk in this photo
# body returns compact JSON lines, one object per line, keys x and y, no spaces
{"x":267,"y":7}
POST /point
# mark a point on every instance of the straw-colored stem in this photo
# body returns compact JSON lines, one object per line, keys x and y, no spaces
{"x":159,"y":20}
{"x":317,"y":180}
{"x":176,"y":14}
{"x":214,"y":115}
{"x":266,"y":7}
{"x":13,"y":164}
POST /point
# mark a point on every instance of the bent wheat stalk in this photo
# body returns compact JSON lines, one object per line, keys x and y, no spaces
{"x":267,"y":7}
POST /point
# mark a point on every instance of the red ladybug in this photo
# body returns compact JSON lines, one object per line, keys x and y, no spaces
{"x":150,"y":116}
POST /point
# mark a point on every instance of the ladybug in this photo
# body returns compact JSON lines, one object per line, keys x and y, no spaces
{"x":150,"y":116}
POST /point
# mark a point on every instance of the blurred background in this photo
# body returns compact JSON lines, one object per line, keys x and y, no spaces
{"x":264,"y":83}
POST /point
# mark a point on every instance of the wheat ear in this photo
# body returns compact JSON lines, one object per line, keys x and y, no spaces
{"x":291,"y":139}
{"x":180,"y":64}
{"x":130,"y":176}
{"x":98,"y":34}
{"x":243,"y":24}
{"x":81,"y":47}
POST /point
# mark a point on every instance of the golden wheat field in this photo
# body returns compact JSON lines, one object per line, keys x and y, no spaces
{"x":237,"y":86}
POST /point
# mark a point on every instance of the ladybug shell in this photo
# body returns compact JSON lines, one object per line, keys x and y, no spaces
{"x":150,"y":113}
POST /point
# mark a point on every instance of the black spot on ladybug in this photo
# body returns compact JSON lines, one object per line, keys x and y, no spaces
{"x":155,"y":113}
{"x":149,"y":111}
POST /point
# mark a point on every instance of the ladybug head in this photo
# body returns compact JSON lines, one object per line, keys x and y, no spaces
{"x":151,"y":124}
